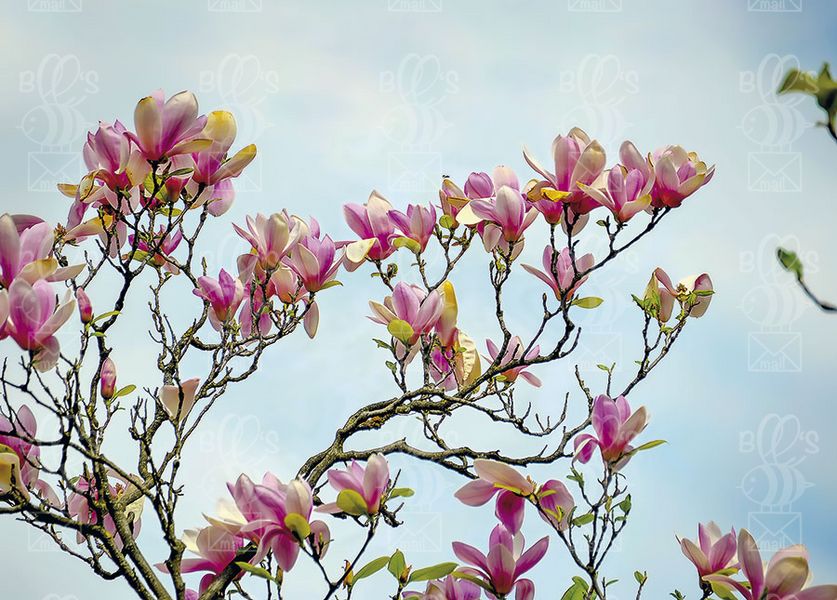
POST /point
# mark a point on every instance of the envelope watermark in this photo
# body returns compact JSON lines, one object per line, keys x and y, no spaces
{"x":603,"y":6}
{"x":54,"y":6}
{"x":779,"y":6}
{"x":416,"y":6}
{"x":774,"y":352}
{"x":239,"y":6}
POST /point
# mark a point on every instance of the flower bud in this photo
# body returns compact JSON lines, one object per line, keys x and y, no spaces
{"x":107,"y":379}
{"x":85,"y":308}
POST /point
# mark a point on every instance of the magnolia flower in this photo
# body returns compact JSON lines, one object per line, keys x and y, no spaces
{"x":505,"y":564}
{"x":179,"y":399}
{"x":111,"y":158}
{"x":371,"y":222}
{"x":628,"y":185}
{"x":276,"y":516}
{"x":271,"y":238}
{"x":85,"y":307}
{"x":556,"y":504}
{"x":34,"y":318}
{"x":109,"y":225}
{"x":714,"y":552}
{"x":455,"y":360}
{"x":216,"y":548}
{"x":503,"y":218}
{"x":514,"y":352}
{"x":417,"y":225}
{"x":694,"y":294}
{"x":785,"y":578}
{"x":254,"y":316}
{"x":615,"y":428}
{"x":577,"y":161}
{"x":211,"y":164}
{"x":168,"y":127}
{"x":449,"y":588}
{"x":313,"y":260}
{"x":411,"y":306}
{"x":107,"y":379}
{"x":678,"y":175}
{"x":160,"y":247}
{"x":511,"y":489}
{"x":360,"y":489}
{"x":224,"y":296}
{"x":24,"y":253}
{"x":218,"y":198}
{"x":79,"y":507}
{"x":560,"y":274}
{"x":20,"y":457}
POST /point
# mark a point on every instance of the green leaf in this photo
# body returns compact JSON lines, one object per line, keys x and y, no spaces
{"x":790,"y":262}
{"x":576,"y":591}
{"x":179,"y":172}
{"x":641,"y":578}
{"x":397,"y":564}
{"x":124,"y":391}
{"x":648,"y":446}
{"x":473,"y":579}
{"x":409,"y":243}
{"x":254,"y":570}
{"x":402,"y":492}
{"x":434,"y":572}
{"x":448,"y":222}
{"x":351,"y":503}
{"x":298,"y":525}
{"x":798,"y":81}
{"x":625,"y":505}
{"x":400,"y":330}
{"x":104,"y":316}
{"x":588,"y":302}
{"x":584,"y":519}
{"x":330,"y":284}
{"x":370,"y":568}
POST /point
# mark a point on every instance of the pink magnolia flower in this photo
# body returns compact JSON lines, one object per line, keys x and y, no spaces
{"x":577,"y":160}
{"x":678,"y":175}
{"x":629,"y":185}
{"x":224,"y":296}
{"x":277,"y":516}
{"x":418,"y":224}
{"x":85,"y":307}
{"x":168,"y":127}
{"x":160,"y":247}
{"x":505,"y":564}
{"x":479,"y":185}
{"x":313,"y":260}
{"x":369,"y":483}
{"x":512,"y":490}
{"x":561,"y":264}
{"x":179,"y":399}
{"x":713,"y":552}
{"x":271,"y":238}
{"x":216,"y":548}
{"x":371,"y":222}
{"x":785,"y":578}
{"x":218,"y":198}
{"x":112,"y":159}
{"x":615,"y":428}
{"x":109,"y":225}
{"x":254,"y":315}
{"x":685,"y":292}
{"x":211,"y":164}
{"x":25,"y":253}
{"x":411,"y":304}
{"x":449,"y":588}
{"x":34,"y":318}
{"x":514,"y":353}
{"x":556,"y":503}
{"x":79,"y":507}
{"x":107,"y":379}
{"x":20,"y":457}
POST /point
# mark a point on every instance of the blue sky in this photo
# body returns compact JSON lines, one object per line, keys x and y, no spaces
{"x":344,"y":97}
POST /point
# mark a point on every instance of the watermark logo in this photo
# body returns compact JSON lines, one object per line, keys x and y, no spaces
{"x":777,"y":6}
{"x":602,"y":84}
{"x":417,"y":122}
{"x":243,"y":86}
{"x":777,"y":482}
{"x":774,"y":305}
{"x":773,"y":125}
{"x":56,"y":125}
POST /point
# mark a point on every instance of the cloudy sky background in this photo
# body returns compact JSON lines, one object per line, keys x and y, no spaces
{"x":345,"y":97}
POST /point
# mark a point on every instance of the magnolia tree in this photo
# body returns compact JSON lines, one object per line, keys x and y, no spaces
{"x":137,"y":217}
